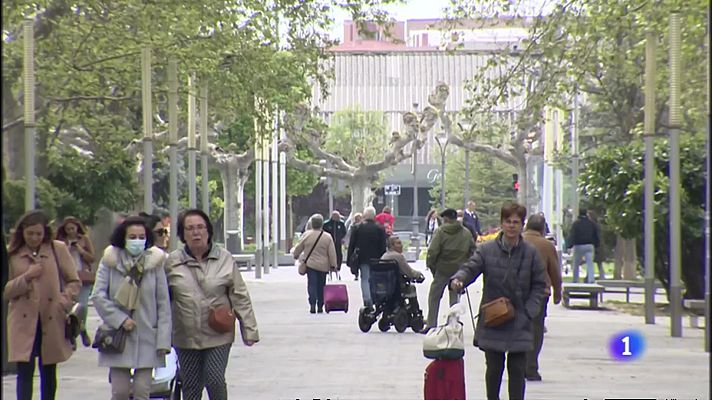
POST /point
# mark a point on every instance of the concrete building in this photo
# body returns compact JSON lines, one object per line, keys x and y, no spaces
{"x":395,"y":72}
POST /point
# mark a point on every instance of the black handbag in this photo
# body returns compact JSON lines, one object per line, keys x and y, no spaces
{"x":110,"y":341}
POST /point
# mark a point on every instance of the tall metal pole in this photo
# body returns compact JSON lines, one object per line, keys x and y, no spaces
{"x":574,"y":156}
{"x":258,"y":198}
{"x":265,"y":194}
{"x":649,"y":138}
{"x":204,"y":153}
{"x":415,"y":236}
{"x":707,"y":200}
{"x":675,"y":119}
{"x":283,"y":195}
{"x":442,"y":147}
{"x":147,"y":129}
{"x":29,"y":103}
{"x":466,"y":196}
{"x":274,"y":161}
{"x":173,"y":148}
{"x":192,"y":195}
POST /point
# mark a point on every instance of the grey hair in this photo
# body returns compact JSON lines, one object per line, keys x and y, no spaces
{"x":317,"y":221}
{"x":369,"y":212}
{"x":536,"y":222}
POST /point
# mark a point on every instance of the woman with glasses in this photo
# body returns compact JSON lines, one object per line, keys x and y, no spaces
{"x":42,"y":286}
{"x":202,"y":277}
{"x":73,"y":233}
{"x":159,"y":231}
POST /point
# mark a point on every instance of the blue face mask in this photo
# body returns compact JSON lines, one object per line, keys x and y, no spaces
{"x":135,"y":246}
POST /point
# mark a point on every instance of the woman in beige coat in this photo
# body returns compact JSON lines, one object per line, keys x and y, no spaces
{"x":316,"y":250}
{"x":38,"y":303}
{"x":202,"y":276}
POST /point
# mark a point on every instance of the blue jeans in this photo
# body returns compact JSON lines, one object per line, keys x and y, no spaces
{"x":583,"y":250}
{"x":366,"y":285}
{"x":315,"y":286}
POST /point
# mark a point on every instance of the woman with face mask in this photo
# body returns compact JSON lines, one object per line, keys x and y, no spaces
{"x":131,"y":292}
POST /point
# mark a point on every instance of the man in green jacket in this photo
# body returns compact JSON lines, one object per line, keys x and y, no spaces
{"x":450,"y":246}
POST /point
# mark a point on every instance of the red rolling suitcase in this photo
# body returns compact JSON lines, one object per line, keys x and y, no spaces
{"x":336,"y":296}
{"x":445,"y":380}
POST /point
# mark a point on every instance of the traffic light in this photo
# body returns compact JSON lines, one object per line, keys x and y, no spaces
{"x":515,"y":185}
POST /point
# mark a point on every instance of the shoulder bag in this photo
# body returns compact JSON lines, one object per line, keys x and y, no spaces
{"x":108,"y":340}
{"x":500,"y":310}
{"x":221,"y":319}
{"x":302,"y":268}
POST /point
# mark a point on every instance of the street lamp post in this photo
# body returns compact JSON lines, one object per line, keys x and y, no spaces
{"x":442,"y":140}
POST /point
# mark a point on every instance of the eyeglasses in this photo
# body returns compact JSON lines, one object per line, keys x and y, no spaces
{"x":196,"y":228}
{"x":161,"y":232}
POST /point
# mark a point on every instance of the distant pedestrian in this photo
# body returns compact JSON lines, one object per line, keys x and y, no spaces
{"x":319,"y":248}
{"x":534,"y":234}
{"x":386,"y":220}
{"x":131,"y":292}
{"x":337,"y":229}
{"x":584,"y":238}
{"x":599,"y":254}
{"x":38,"y":306}
{"x":73,"y":233}
{"x":510,"y":268}
{"x":471,"y":221}
{"x":451,"y":245}
{"x":354,"y":223}
{"x":432,"y":222}
{"x":369,"y":240}
{"x":203,"y":276}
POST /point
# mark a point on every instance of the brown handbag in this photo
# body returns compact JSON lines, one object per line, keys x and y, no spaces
{"x":497,"y":312}
{"x":221,"y":319}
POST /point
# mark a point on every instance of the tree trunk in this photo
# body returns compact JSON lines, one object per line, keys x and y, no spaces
{"x":523,"y":195}
{"x":626,"y":261}
{"x":361,"y":195}
{"x":233,"y":193}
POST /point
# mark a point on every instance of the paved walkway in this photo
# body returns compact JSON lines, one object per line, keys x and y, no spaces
{"x":325,"y":356}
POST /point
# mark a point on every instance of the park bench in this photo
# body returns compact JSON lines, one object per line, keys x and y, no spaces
{"x":697,"y":308}
{"x":589,"y":291}
{"x":245,"y":262}
{"x":624,"y":286}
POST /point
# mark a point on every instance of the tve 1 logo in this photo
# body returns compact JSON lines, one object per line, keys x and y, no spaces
{"x":627,"y":345}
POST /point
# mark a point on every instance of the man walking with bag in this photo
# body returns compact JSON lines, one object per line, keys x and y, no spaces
{"x":535,"y":234}
{"x":450,"y":246}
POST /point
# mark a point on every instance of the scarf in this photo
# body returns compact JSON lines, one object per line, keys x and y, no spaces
{"x":128,"y":293}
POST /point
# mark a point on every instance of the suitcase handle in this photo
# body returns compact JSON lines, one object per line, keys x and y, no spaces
{"x":331,"y":278}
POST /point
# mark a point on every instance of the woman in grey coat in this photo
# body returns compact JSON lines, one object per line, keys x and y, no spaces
{"x":131,"y":292}
{"x":511,"y":268}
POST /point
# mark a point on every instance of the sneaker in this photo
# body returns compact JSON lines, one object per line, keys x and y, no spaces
{"x":534,"y":377}
{"x":86,"y":341}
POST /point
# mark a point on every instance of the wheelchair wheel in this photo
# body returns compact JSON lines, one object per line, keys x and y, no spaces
{"x":383,"y":324}
{"x":364,"y":321}
{"x":400,"y":320}
{"x":417,"y":323}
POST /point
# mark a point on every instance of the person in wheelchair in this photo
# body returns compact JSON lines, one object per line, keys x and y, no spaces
{"x":393,"y":293}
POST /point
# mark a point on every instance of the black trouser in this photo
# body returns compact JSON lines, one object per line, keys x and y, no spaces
{"x":315,"y":286}
{"x":339,"y":256}
{"x":538,"y":331}
{"x":26,"y":372}
{"x":515,"y":372}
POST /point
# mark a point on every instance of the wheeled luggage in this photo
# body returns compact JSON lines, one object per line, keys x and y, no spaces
{"x":445,"y":380}
{"x":336,"y":296}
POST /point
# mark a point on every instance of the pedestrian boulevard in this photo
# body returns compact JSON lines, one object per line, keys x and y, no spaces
{"x":325,"y":356}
